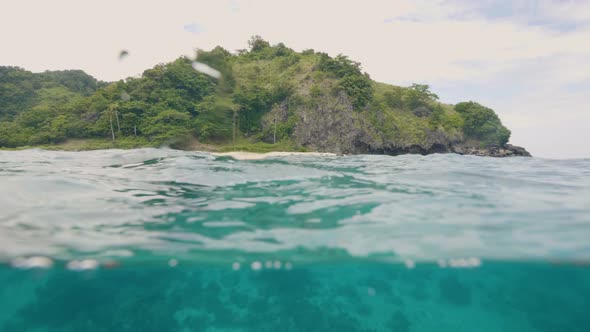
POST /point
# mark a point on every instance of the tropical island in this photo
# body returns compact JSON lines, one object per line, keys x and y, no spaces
{"x":261,"y":99}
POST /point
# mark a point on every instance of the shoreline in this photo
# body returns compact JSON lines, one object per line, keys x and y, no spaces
{"x":256,"y":151}
{"x":241,"y":155}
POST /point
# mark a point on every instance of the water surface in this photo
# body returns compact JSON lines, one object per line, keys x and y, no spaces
{"x":164,"y":240}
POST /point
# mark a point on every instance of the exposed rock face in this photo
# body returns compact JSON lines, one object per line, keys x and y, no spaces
{"x":332,"y":125}
{"x":507,"y":150}
{"x":329,"y":126}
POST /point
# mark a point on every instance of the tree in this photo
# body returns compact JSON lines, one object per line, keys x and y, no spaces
{"x":482,"y":123}
{"x":215,"y":120}
{"x":7,"y":135}
{"x":281,"y":50}
{"x":419,"y":95}
{"x":257,"y":44}
{"x":340,"y":66}
{"x":357,"y":85}
{"x":358,"y":88}
{"x":394,"y":97}
{"x":219,"y":59}
{"x":111,"y":113}
{"x":253,"y":100}
{"x":132,"y":112}
{"x":168,"y":124}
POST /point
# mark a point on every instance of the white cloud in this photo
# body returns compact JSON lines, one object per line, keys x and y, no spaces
{"x":538,"y":50}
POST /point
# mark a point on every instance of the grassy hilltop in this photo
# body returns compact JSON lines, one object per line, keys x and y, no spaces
{"x":267,"y":98}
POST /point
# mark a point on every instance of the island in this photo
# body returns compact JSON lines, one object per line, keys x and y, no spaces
{"x":261,"y":99}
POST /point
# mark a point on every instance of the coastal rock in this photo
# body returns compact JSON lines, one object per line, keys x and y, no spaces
{"x":329,"y":126}
{"x":507,"y":150}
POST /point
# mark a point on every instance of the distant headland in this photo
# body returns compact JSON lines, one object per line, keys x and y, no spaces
{"x":261,"y":99}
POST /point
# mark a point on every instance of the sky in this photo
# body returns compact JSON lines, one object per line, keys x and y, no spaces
{"x":528,"y":60}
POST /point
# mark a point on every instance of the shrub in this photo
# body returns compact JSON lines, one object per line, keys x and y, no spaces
{"x":167,"y":124}
{"x":418,"y":95}
{"x":358,"y":88}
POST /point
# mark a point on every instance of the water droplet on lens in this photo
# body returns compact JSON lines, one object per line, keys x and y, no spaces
{"x":454,"y":262}
{"x":18,"y":262}
{"x":206,"y":69}
{"x":465,"y":262}
{"x":474,"y":261}
{"x":123,"y":54}
{"x":110,"y":264}
{"x":35,"y":262}
{"x":89,"y":264}
{"x":256,"y":266}
{"x":86,"y":264}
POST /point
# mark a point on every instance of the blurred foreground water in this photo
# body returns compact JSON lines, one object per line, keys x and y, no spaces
{"x":163,"y":240}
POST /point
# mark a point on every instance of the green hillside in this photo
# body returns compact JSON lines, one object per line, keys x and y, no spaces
{"x":267,"y":98}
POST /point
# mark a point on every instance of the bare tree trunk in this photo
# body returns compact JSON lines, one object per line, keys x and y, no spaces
{"x":112,"y":129}
{"x":118,"y":125}
{"x":237,"y":130}
{"x":274,"y":134}
{"x":135,"y":130}
{"x":234,"y":127}
{"x":248,"y":123}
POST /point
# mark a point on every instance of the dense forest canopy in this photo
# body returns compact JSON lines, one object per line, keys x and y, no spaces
{"x":266,"y":94}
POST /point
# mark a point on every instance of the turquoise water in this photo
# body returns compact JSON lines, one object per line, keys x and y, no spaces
{"x":164,"y":240}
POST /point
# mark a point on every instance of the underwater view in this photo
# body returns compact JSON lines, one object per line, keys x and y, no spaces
{"x":166,"y":240}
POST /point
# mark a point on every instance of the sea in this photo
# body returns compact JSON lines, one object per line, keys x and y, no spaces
{"x":166,"y":240}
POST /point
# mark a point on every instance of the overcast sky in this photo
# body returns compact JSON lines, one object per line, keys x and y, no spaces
{"x":528,"y":60}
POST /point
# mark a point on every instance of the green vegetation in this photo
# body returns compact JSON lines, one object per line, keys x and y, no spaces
{"x":482,"y":123}
{"x":268,"y":97}
{"x":261,"y":147}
